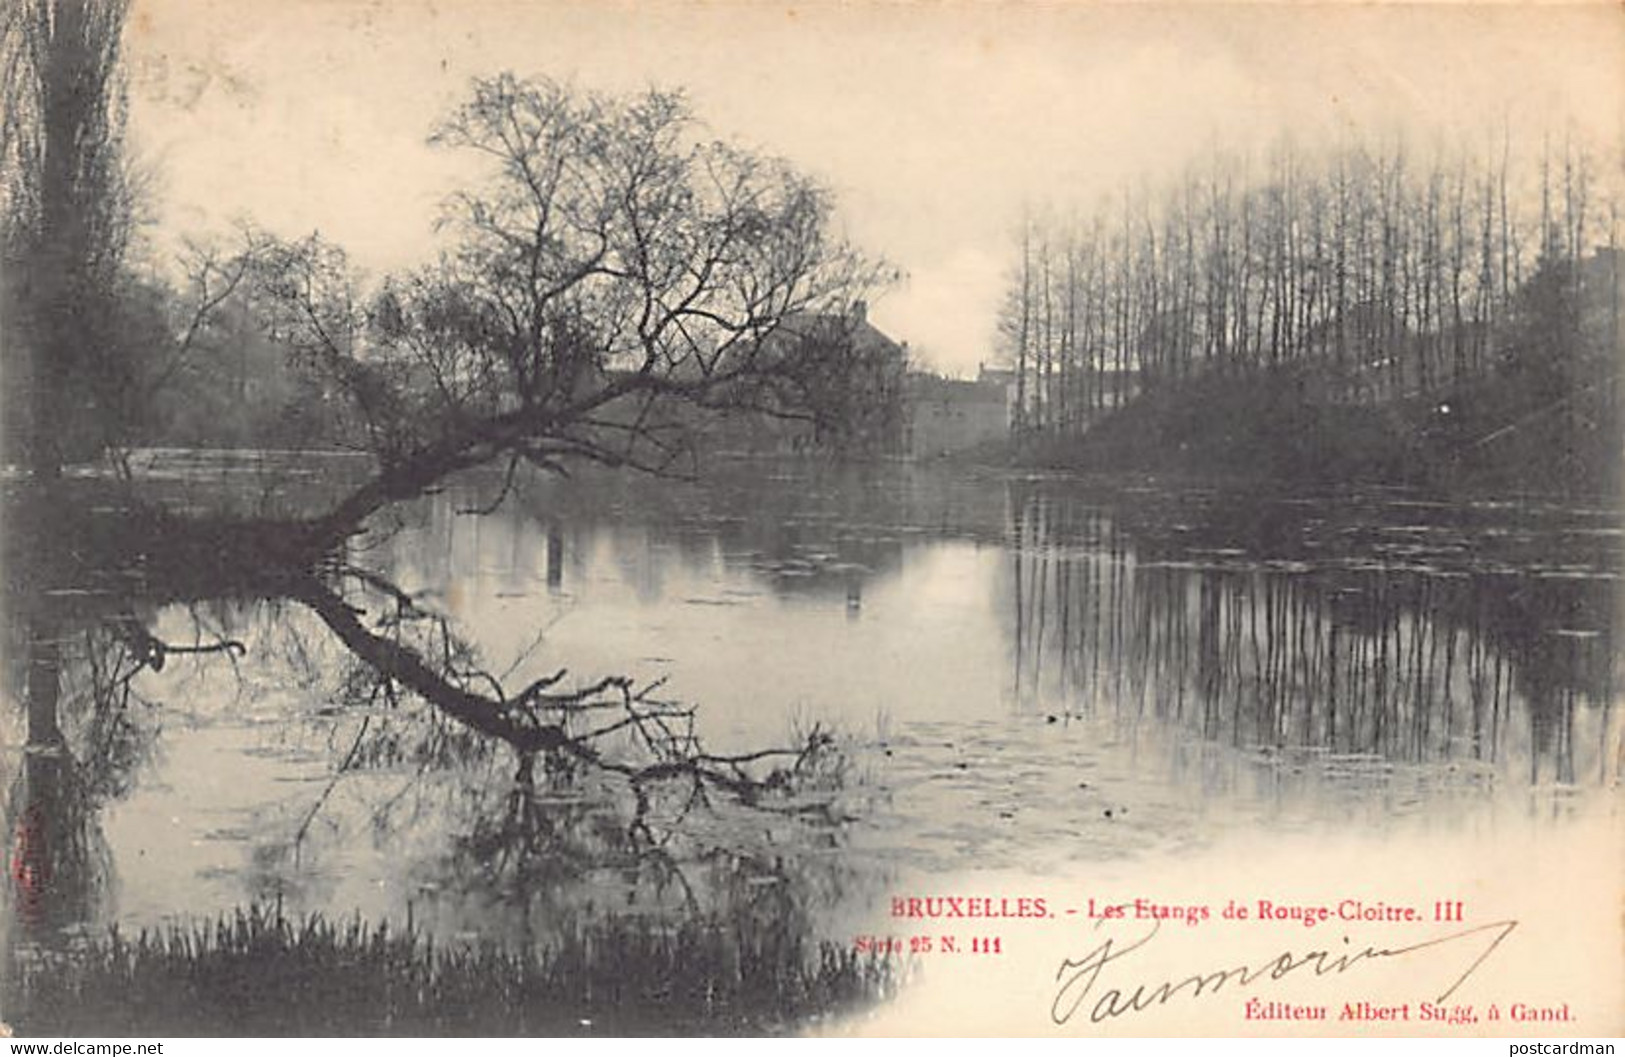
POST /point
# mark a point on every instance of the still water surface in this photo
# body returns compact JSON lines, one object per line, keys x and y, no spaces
{"x":1037,"y":671}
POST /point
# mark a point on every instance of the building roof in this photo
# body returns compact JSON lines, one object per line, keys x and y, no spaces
{"x":925,"y":386}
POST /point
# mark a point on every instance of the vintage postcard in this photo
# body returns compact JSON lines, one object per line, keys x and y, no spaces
{"x":826,"y":518}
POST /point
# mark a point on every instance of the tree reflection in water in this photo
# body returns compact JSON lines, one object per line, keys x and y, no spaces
{"x":1280,"y":631}
{"x":1381,"y":652}
{"x":87,"y":735}
{"x":608,"y":780}
{"x":592,"y":818}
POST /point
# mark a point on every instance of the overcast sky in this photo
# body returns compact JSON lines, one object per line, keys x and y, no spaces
{"x":935,"y":123}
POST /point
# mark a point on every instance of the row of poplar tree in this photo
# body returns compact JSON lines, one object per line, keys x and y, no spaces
{"x":1395,"y":271}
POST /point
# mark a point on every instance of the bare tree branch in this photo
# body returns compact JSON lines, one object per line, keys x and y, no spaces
{"x":614,"y":267}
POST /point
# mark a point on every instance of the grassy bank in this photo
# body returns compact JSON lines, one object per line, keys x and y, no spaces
{"x":256,"y":973}
{"x":1494,"y":436}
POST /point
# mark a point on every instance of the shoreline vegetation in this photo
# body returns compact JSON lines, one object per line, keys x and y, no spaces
{"x":1250,"y":431}
{"x":260,"y":972}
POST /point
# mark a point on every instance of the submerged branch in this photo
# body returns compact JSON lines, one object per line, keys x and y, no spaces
{"x":538,"y":721}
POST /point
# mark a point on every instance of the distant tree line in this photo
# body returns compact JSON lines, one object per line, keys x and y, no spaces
{"x":1383,"y":270}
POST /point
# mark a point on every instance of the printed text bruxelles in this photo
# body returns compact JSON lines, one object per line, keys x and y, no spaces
{"x":968,"y":907}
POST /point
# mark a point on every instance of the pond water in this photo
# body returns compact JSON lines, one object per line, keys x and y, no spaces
{"x":1037,"y":671}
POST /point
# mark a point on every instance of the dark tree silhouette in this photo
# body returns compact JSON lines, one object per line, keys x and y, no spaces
{"x":67,"y":211}
{"x":613,"y":266}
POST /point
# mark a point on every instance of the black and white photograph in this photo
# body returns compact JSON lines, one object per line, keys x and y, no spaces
{"x":537,"y":518}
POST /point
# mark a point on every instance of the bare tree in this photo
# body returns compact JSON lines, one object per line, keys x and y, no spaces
{"x":1016,"y":325}
{"x":613,"y":265}
{"x":1375,"y":273}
